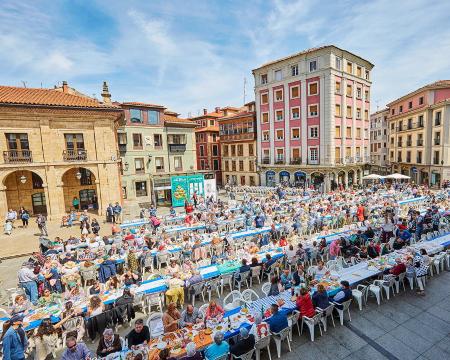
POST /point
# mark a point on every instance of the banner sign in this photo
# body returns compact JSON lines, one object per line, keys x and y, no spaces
{"x":183,"y":187}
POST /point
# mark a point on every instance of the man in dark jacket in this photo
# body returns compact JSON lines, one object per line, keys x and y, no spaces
{"x":343,"y":295}
{"x":245,"y":343}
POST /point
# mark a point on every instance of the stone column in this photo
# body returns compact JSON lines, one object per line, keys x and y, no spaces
{"x":345,"y":178}
{"x":3,"y":200}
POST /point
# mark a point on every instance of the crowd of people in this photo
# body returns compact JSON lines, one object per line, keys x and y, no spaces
{"x":295,"y":226}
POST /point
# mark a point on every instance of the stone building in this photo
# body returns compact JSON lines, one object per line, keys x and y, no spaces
{"x":57,"y":144}
{"x":378,"y":143}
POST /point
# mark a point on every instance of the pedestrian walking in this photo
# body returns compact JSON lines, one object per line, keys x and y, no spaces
{"x":24,"y":216}
{"x":42,"y":224}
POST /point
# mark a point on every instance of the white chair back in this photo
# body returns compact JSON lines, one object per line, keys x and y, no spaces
{"x":265,"y":288}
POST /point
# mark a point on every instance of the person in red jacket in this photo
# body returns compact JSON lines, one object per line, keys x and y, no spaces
{"x":304,"y":304}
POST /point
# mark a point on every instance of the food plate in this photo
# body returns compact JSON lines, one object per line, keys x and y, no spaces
{"x":161,"y":345}
{"x":208,"y":331}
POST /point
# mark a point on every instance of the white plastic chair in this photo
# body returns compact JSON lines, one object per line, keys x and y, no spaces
{"x":244,"y":276}
{"x":376,"y":291}
{"x":260,"y":345}
{"x":386,"y":285}
{"x":249,"y":295}
{"x":162,"y":259}
{"x":360,"y":295}
{"x":326,"y":313}
{"x":198,"y":289}
{"x":255,"y":274}
{"x":345,"y":307}
{"x":280,"y":337}
{"x":226,"y":280}
{"x":202,"y":309}
{"x":155,"y":324}
{"x":213,"y":285}
{"x":232,"y":300}
{"x":265,"y":288}
{"x":312,"y":322}
{"x":400,"y":280}
{"x":293,"y":320}
{"x":154,"y":300}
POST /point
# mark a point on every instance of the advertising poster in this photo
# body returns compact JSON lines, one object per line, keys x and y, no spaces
{"x":183,"y":188}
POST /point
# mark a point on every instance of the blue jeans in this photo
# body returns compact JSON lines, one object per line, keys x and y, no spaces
{"x":31,"y":290}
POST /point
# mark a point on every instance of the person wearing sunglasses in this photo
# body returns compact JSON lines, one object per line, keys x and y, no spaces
{"x":75,"y":351}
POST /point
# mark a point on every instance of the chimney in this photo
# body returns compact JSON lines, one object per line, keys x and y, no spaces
{"x":105,"y":93}
{"x":205,"y":111}
{"x":217,"y":109}
{"x":65,"y":87}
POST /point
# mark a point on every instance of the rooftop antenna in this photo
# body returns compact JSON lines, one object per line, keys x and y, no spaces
{"x":377,"y":102}
{"x":245,"y":83}
{"x":24,"y":83}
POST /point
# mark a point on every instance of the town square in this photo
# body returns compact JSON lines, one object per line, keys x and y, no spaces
{"x":224,"y":180}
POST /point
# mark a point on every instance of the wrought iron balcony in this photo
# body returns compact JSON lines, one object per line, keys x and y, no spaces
{"x":74,"y":155}
{"x":177,"y":148}
{"x":265,"y":160}
{"x":17,"y":156}
{"x":437,"y":141}
{"x":296,"y":161}
{"x":419,"y":142}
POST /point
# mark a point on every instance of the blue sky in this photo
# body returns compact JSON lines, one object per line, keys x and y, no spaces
{"x":192,"y":54}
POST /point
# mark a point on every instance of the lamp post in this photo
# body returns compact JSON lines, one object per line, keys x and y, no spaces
{"x":23,"y":179}
{"x":78,"y":175}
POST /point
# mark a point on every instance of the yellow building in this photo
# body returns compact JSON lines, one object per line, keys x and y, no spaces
{"x":57,"y":144}
{"x":238,"y":147}
{"x":419,"y":139}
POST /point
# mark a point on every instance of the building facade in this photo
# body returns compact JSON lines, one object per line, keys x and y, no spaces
{"x":57,"y":146}
{"x":379,"y":143}
{"x":238,"y":147}
{"x":313,"y":117}
{"x":419,"y":126}
{"x":154,"y":144}
{"x":208,"y":140}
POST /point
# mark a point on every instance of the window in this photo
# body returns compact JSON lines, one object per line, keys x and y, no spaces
{"x":176,"y":139}
{"x":358,"y":133}
{"x":437,"y":138}
{"x":122,"y":138}
{"x":313,"y":154}
{"x":264,"y":98}
{"x":337,"y":63}
{"x":349,"y":67}
{"x":153,"y":117}
{"x":266,"y":135}
{"x":280,"y":155}
{"x":337,"y":87}
{"x":264,"y":79}
{"x":295,"y":92}
{"x":409,"y":123}
{"x":294,"y":70}
{"x":136,"y":116}
{"x":358,"y":93}
{"x":400,"y":142}
{"x":211,"y":122}
{"x":215,"y":150}
{"x":420,"y":120}
{"x":312,"y":65}
{"x":202,"y":164}
{"x":409,"y":140}
{"x":421,"y":100}
{"x":349,"y":90}
{"x":178,"y":163}
{"x":251,"y":165}
{"x":240,"y":150}
{"x":295,"y":133}
{"x":233,"y":165}
{"x":141,"y":188}
{"x":279,"y":115}
{"x":313,"y":110}
{"x":227,"y":168}
{"x":358,"y":71}
{"x":313,"y":88}
{"x":419,"y":157}
{"x":73,"y":141}
{"x":36,"y":181}
{"x":313,"y":132}
{"x":251,"y":150}
{"x":337,"y":110}
{"x":367,"y":74}
{"x":392,"y":155}
{"x":366,"y":115}
{"x":436,"y":158}
{"x":265,"y":118}
{"x":399,"y":156}
{"x":215,"y":164}
{"x":393,"y":112}
{"x":137,"y":141}
{"x":366,"y":95}
{"x":400,"y":108}
{"x":392,"y":126}
{"x":337,"y":131}
{"x":295,"y":113}
{"x":233,"y":150}
{"x":159,"y":164}
{"x":349,"y":112}
{"x":241,"y":165}
{"x":139,"y":165}
{"x":157,"y":141}
{"x":358,"y":113}
{"x":86,"y":178}
{"x":348,"y":132}
{"x":278,"y":75}
{"x":279,"y":95}
{"x":295,"y":156}
{"x":279,"y":134}
{"x":410,"y":105}
{"x":437,"y":119}
{"x":202,"y":150}
{"x":225,"y":150}
{"x":20,"y":141}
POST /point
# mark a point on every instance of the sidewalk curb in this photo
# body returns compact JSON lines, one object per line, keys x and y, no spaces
{"x":15,"y":256}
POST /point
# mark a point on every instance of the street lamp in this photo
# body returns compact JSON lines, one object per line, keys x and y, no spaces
{"x":78,"y":175}
{"x":126,"y":165}
{"x":23,"y":179}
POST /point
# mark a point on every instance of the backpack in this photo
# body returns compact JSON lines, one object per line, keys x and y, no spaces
{"x":25,"y":216}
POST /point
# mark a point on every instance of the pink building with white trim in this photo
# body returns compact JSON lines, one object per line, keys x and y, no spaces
{"x":313,"y":117}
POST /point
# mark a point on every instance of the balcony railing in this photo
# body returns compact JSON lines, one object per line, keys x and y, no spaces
{"x":296,"y":161}
{"x":408,"y":142}
{"x":279,"y":160}
{"x":265,"y":160}
{"x":338,"y":160}
{"x":437,"y":141}
{"x":159,"y":170}
{"x":17,"y":156}
{"x":420,"y":142}
{"x":419,"y":160}
{"x":122,"y":148}
{"x":400,"y":144}
{"x":435,"y":161}
{"x":177,"y":148}
{"x":313,"y":162}
{"x":74,"y":155}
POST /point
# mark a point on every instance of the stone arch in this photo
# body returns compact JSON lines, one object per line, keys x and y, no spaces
{"x":80,"y":183}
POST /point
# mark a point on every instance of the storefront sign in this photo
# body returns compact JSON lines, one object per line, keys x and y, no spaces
{"x":183,"y":187}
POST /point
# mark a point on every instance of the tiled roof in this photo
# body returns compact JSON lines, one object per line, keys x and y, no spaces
{"x":434,"y":85}
{"x":237,"y":115}
{"x":208,"y":128}
{"x":174,"y":119}
{"x":46,"y":97}
{"x":211,"y":114}
{"x":133,"y":103}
